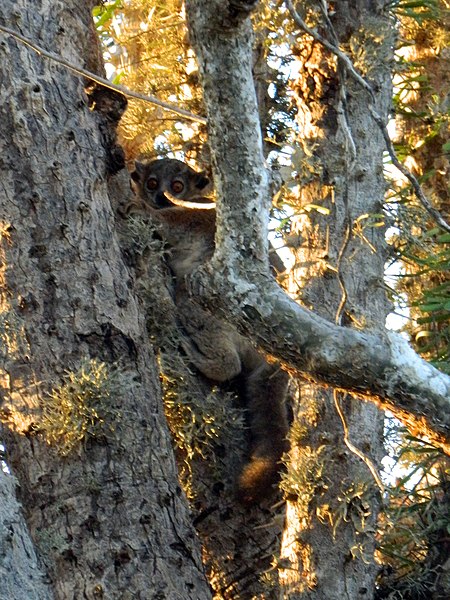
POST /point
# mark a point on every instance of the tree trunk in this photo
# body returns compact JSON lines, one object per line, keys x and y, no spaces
{"x":21,"y":573}
{"x":84,"y":427}
{"x":81,"y":403}
{"x":329,"y":536}
{"x":208,"y":427}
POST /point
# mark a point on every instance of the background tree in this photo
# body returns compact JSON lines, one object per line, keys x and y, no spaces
{"x":338,"y":225}
{"x":147,"y":45}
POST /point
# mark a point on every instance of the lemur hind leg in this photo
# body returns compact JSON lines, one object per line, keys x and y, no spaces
{"x":212,"y":345}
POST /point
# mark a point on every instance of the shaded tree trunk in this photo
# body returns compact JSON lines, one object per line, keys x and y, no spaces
{"x":208,"y":427}
{"x":108,"y":517}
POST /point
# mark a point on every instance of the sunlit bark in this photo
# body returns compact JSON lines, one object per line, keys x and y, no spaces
{"x":329,"y":536}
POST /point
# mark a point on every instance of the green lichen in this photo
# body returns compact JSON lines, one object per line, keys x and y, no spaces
{"x":305,"y":474}
{"x":205,"y":424}
{"x":142,"y":236}
{"x":354,"y":505}
{"x":83,"y":406}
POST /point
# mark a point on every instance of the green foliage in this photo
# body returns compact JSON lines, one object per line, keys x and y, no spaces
{"x":423,"y":121}
{"x":103,"y":13}
{"x":419,"y":10}
{"x":428,"y":257}
{"x":416,"y":525}
{"x":433,"y":335}
{"x":83,"y":406}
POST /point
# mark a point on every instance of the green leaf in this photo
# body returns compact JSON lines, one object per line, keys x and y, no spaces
{"x":433,"y":319}
{"x":430,"y":307}
{"x":118,"y":78}
{"x":432,"y":232}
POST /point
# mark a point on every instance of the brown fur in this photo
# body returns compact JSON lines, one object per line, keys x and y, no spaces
{"x":216,"y":348}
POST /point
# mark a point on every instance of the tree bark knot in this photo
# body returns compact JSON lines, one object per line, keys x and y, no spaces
{"x":240,"y":9}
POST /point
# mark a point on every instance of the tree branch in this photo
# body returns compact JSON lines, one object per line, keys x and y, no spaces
{"x":101,"y":80}
{"x":376,"y":366}
{"x":372,"y":365}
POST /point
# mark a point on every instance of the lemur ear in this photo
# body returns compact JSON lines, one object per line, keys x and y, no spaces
{"x":138,"y":172}
{"x":201,"y":180}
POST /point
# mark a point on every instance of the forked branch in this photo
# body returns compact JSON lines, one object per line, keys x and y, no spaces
{"x":373,"y":365}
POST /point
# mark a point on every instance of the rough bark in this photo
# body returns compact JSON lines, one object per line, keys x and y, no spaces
{"x":108,"y":518}
{"x":67,"y":295}
{"x":21,"y":574}
{"x":333,"y":556}
{"x":370,"y":364}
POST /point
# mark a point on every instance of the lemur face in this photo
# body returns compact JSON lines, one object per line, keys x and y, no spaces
{"x":161,"y":182}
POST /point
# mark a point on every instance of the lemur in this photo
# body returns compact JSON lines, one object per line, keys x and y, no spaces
{"x":167,"y":189}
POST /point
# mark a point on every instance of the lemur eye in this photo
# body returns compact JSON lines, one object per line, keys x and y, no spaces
{"x":177,"y":186}
{"x":152,"y":183}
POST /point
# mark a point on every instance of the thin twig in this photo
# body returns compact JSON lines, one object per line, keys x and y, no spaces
{"x":409,"y":176}
{"x":433,"y":212}
{"x":112,"y":86}
{"x":368,"y":461}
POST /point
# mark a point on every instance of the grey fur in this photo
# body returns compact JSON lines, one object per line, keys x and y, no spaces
{"x":215,"y":347}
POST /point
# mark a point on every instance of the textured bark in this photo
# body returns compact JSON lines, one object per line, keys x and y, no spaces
{"x":333,"y":556}
{"x":109,"y":518}
{"x":208,"y":427}
{"x":367,"y":362}
{"x":22,"y":577}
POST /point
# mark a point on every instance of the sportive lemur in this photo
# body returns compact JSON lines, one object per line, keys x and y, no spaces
{"x":217,"y":350}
